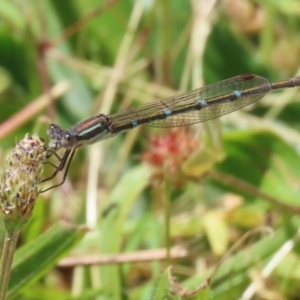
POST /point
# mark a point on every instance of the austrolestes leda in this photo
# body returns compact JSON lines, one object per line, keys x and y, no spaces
{"x":185,"y":109}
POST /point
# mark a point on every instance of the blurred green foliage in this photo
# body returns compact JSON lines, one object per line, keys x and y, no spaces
{"x":116,"y":54}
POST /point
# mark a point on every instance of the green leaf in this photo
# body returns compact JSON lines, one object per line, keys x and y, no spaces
{"x":288,"y":7}
{"x":123,"y":196}
{"x":161,"y":290}
{"x":233,"y":274}
{"x":217,"y":231}
{"x":289,"y":267}
{"x":38,"y":256}
{"x":202,"y":161}
{"x":264,"y":160}
{"x":12,"y":15}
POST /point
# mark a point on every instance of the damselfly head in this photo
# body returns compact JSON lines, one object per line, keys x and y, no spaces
{"x":60,"y":138}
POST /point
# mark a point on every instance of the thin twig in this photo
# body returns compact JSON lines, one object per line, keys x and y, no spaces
{"x":252,"y":190}
{"x":75,"y":27}
{"x":32,"y":109}
{"x":132,"y":257}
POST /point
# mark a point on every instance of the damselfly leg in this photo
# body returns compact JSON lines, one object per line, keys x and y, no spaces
{"x":65,"y":162}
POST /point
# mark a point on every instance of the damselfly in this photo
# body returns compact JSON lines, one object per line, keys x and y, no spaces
{"x":196,"y":106}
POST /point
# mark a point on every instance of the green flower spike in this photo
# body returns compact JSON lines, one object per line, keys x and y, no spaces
{"x":19,"y":184}
{"x":19,"y":188}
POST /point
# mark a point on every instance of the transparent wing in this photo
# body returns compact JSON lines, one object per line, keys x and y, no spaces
{"x":252,"y":88}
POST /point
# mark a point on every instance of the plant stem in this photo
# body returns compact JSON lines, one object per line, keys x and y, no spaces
{"x":10,"y":242}
{"x":167,"y":205}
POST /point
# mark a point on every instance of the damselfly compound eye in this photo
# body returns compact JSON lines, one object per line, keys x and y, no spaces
{"x":54,"y":132}
{"x":68,"y":140}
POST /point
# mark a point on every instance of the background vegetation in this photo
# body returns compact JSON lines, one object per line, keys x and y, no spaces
{"x":195,"y":191}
